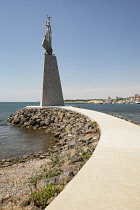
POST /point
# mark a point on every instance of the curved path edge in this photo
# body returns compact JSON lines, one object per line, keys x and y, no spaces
{"x":110,"y":178}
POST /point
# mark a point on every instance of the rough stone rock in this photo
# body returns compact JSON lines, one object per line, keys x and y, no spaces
{"x":72,"y":143}
{"x":57,"y":134}
{"x":42,"y":123}
{"x":75,"y":159}
{"x":67,"y":173}
{"x":0,"y":199}
{"x":54,"y":180}
{"x":87,"y":137}
{"x":41,"y":183}
{"x":50,"y":200}
{"x":26,"y":124}
{"x":61,"y":136}
{"x":96,"y":137}
{"x":16,"y":121}
{"x":47,"y":122}
{"x":6,"y":198}
{"x":89,"y":131}
{"x":85,"y":148}
{"x":24,"y":203}
{"x":34,"y":208}
{"x":48,"y":130}
{"x":25,"y":156}
{"x":42,"y":156}
{"x":68,"y":128}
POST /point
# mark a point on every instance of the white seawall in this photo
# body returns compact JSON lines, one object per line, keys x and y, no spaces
{"x":111,"y":177}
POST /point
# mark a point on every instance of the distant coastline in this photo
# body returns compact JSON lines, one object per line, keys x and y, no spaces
{"x":101,"y":101}
{"x":118,"y":100}
{"x":75,"y":102}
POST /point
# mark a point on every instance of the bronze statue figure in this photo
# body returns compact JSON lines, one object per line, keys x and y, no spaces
{"x":47,"y":41}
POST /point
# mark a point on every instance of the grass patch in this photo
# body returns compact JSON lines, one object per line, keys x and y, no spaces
{"x":47,"y":173}
{"x":56,"y":162}
{"x":41,"y":197}
{"x":94,"y":122}
{"x":84,"y":155}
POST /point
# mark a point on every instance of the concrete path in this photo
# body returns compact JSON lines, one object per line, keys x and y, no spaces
{"x":110,"y":179}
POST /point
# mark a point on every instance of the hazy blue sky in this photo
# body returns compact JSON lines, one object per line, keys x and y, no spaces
{"x":97,"y":44}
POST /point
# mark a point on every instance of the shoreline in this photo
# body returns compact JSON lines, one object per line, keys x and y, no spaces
{"x":123,"y":118}
{"x":77,"y":138}
{"x":4,"y":162}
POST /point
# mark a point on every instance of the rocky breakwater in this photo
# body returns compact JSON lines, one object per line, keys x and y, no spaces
{"x":76,"y":139}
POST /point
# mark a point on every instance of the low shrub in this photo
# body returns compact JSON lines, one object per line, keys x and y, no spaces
{"x":41,"y":197}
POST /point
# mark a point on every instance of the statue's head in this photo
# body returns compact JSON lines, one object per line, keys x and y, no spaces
{"x":48,"y":21}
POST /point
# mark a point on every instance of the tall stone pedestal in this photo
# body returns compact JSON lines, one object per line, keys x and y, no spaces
{"x":52,"y":91}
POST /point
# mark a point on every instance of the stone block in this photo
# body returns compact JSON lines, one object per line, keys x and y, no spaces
{"x":51,"y":91}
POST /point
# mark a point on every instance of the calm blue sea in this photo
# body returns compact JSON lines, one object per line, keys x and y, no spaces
{"x":16,"y":142}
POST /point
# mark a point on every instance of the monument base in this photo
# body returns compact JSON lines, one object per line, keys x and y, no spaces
{"x":52,"y":91}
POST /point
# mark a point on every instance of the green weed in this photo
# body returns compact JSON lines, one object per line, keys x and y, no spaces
{"x":41,"y":197}
{"x":47,"y":173}
{"x":84,"y":155}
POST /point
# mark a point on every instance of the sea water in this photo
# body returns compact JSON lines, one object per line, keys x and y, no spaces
{"x":128,"y":111}
{"x":16,"y":142}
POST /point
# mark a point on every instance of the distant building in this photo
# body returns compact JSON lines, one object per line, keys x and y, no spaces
{"x":109,"y":99}
{"x":134,"y":99}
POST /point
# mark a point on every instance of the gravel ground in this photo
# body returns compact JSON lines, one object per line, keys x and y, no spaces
{"x":14,"y":186}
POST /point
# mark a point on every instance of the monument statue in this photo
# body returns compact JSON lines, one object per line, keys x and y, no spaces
{"x":51,"y":91}
{"x":47,"y":41}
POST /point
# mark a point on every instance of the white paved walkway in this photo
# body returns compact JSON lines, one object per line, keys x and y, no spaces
{"x":110,"y":179}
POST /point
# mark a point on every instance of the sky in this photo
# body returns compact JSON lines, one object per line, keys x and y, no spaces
{"x":96,"y":42}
